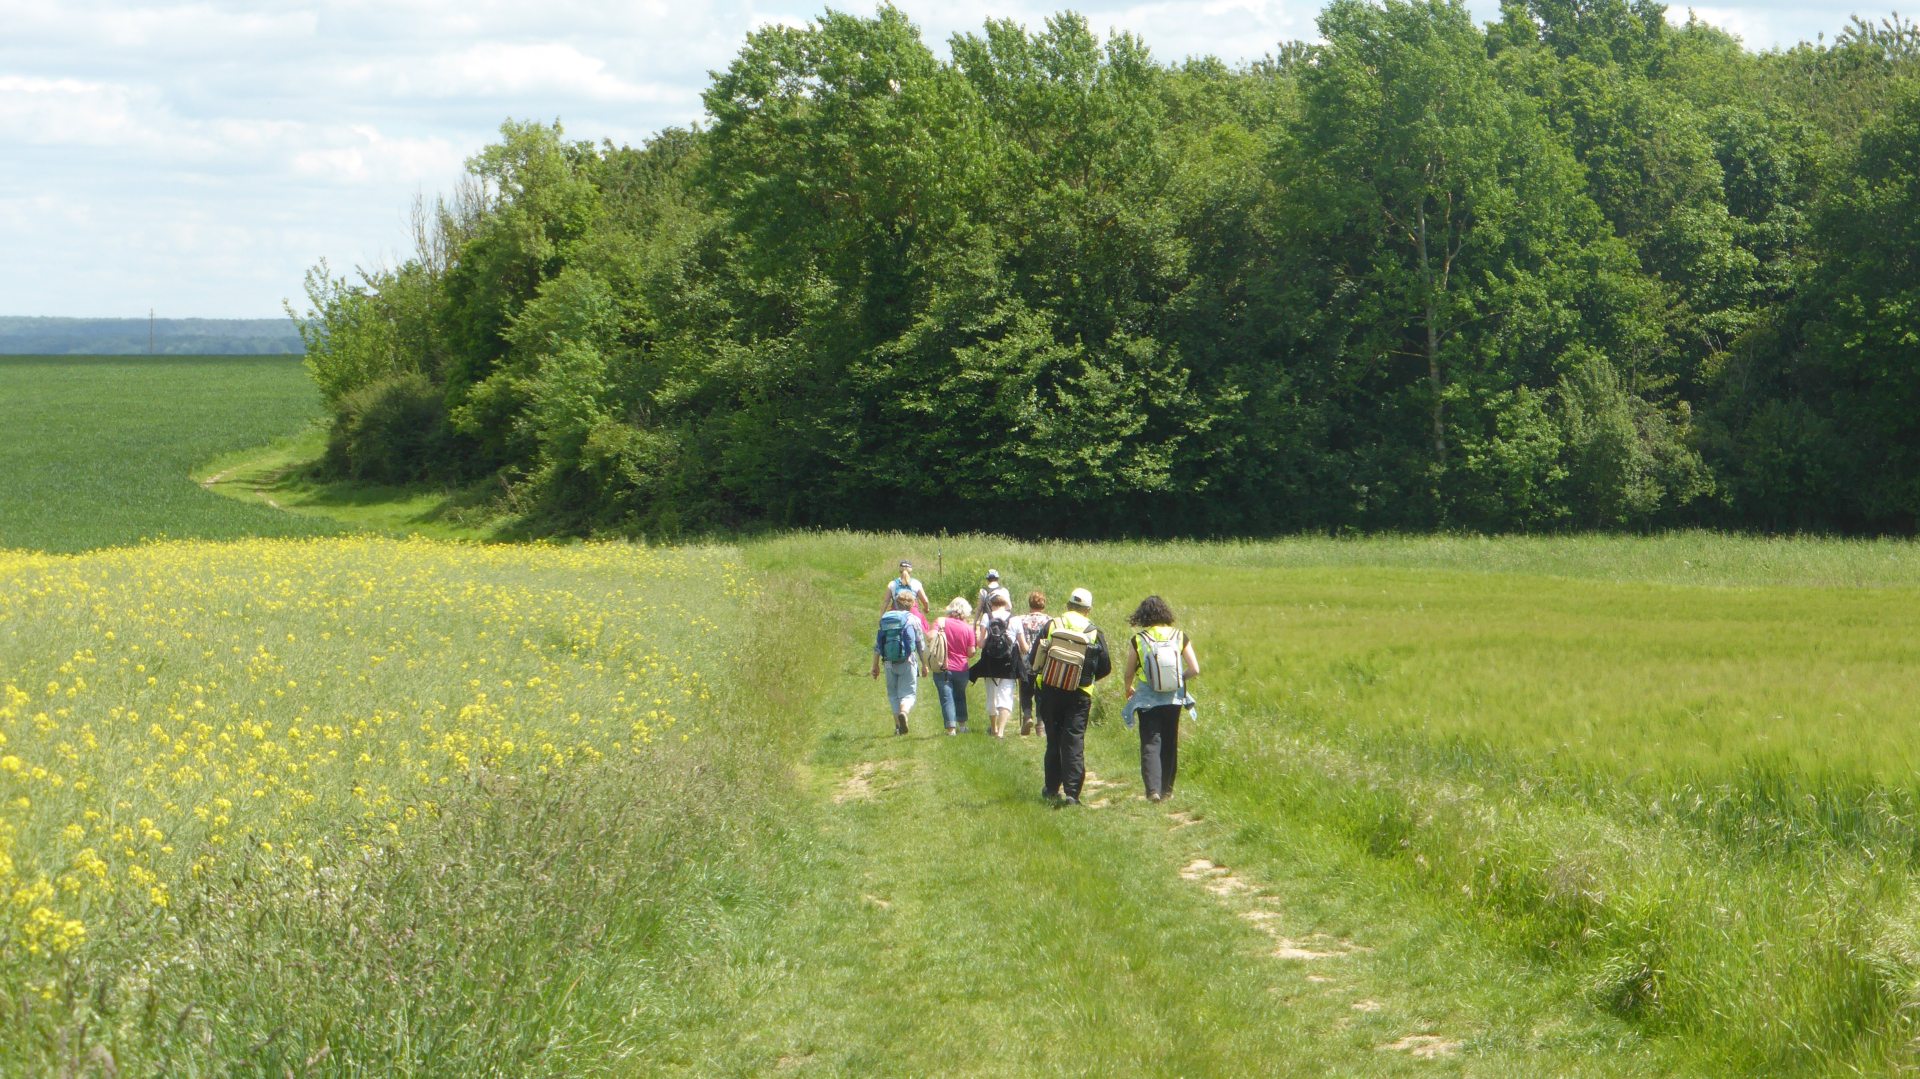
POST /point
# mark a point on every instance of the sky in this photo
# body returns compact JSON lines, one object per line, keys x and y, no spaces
{"x":195,"y":159}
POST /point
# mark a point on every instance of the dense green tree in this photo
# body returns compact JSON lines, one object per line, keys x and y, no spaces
{"x":1578,"y":268}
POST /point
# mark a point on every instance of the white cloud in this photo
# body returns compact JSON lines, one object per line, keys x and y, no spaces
{"x":197,"y":155}
{"x":40,"y":111}
{"x":361,"y":153}
{"x":506,"y":70}
{"x":1752,"y":26}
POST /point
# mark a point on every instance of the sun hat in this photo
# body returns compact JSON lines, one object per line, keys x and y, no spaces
{"x":1081,"y":598}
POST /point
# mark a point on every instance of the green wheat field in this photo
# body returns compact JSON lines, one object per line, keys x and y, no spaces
{"x":286,"y":795}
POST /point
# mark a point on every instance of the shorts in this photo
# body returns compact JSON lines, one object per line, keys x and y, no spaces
{"x":1000,"y":694}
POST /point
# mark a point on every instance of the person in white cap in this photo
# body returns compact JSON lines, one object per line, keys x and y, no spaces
{"x":983,"y":601}
{"x":1064,"y":709}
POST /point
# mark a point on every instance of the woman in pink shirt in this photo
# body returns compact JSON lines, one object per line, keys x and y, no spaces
{"x":951,"y":683}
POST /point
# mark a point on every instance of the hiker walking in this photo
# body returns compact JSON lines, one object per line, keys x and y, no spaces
{"x":983,"y":600}
{"x":1068,"y":661}
{"x":907,"y":583}
{"x":999,"y":663}
{"x":1028,"y":629}
{"x":949,"y":653}
{"x":1162,"y":658}
{"x":900,"y":646}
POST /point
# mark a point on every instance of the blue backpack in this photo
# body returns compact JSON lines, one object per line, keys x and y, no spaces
{"x":896,"y":637}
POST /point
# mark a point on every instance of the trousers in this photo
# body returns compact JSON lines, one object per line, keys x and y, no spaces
{"x":1065,"y":713}
{"x":1159,"y":747}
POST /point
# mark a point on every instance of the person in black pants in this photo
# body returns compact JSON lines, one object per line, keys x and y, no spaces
{"x":1065,"y":711}
{"x":1170,"y":653}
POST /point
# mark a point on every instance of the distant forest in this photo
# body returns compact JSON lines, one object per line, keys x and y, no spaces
{"x":1577,"y":268}
{"x":130,"y":336}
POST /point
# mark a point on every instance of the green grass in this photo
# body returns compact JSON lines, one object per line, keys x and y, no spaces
{"x":1581,"y":805}
{"x":1694,"y":802}
{"x":96,"y":452}
{"x":283,"y":475}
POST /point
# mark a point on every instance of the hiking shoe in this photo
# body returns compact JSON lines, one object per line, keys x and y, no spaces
{"x":951,"y":731}
{"x":1069,"y":800}
{"x":899,"y":723}
{"x":963,"y":728}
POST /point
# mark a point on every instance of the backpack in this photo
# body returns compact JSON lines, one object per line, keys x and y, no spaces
{"x":896,"y":642}
{"x":1163,"y":663}
{"x":1061,"y":658}
{"x":996,"y":652}
{"x":937,"y":646}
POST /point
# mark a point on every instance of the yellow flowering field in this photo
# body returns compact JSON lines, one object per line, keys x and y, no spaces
{"x":174,"y":712}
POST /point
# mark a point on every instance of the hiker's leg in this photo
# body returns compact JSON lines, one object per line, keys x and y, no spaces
{"x":1073,"y":741}
{"x":943,"y":683}
{"x":902,"y":682}
{"x":1149,"y":753}
{"x":1156,"y":747}
{"x":1051,"y":770}
{"x":959,"y":682}
{"x":1169,"y":751}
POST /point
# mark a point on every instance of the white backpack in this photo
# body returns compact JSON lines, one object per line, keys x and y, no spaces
{"x":1163,"y":663}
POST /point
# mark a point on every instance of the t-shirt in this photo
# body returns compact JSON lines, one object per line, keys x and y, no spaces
{"x":960,"y":640}
{"x":983,"y":602}
{"x":1028,"y":628}
{"x":897,"y":586}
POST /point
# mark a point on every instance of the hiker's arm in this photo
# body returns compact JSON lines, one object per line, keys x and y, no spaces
{"x":1193,"y":664}
{"x":1133,"y":664}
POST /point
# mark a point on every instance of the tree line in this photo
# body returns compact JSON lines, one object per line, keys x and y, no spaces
{"x":45,"y":336}
{"x":1577,"y":268}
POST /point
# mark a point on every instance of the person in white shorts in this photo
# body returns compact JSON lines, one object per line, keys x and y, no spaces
{"x":1000,"y":669}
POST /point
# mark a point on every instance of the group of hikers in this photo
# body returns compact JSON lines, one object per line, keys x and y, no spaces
{"x":1049,"y":663}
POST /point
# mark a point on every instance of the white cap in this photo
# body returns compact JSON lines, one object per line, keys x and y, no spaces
{"x":993,"y":575}
{"x":1081,"y":598}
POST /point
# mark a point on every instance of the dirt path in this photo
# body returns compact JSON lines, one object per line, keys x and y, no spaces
{"x":256,"y":490}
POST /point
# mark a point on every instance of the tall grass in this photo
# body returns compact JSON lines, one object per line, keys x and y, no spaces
{"x":395,"y":808}
{"x":1677,"y":767}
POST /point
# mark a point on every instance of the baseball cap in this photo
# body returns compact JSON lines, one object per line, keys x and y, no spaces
{"x":904,"y":564}
{"x":993,"y":575}
{"x":1081,"y":598}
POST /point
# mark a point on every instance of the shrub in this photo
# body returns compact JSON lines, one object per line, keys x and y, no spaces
{"x":391,"y":430}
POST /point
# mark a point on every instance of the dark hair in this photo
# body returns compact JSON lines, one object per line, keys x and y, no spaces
{"x":1036,"y":600}
{"x":1153,"y":611}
